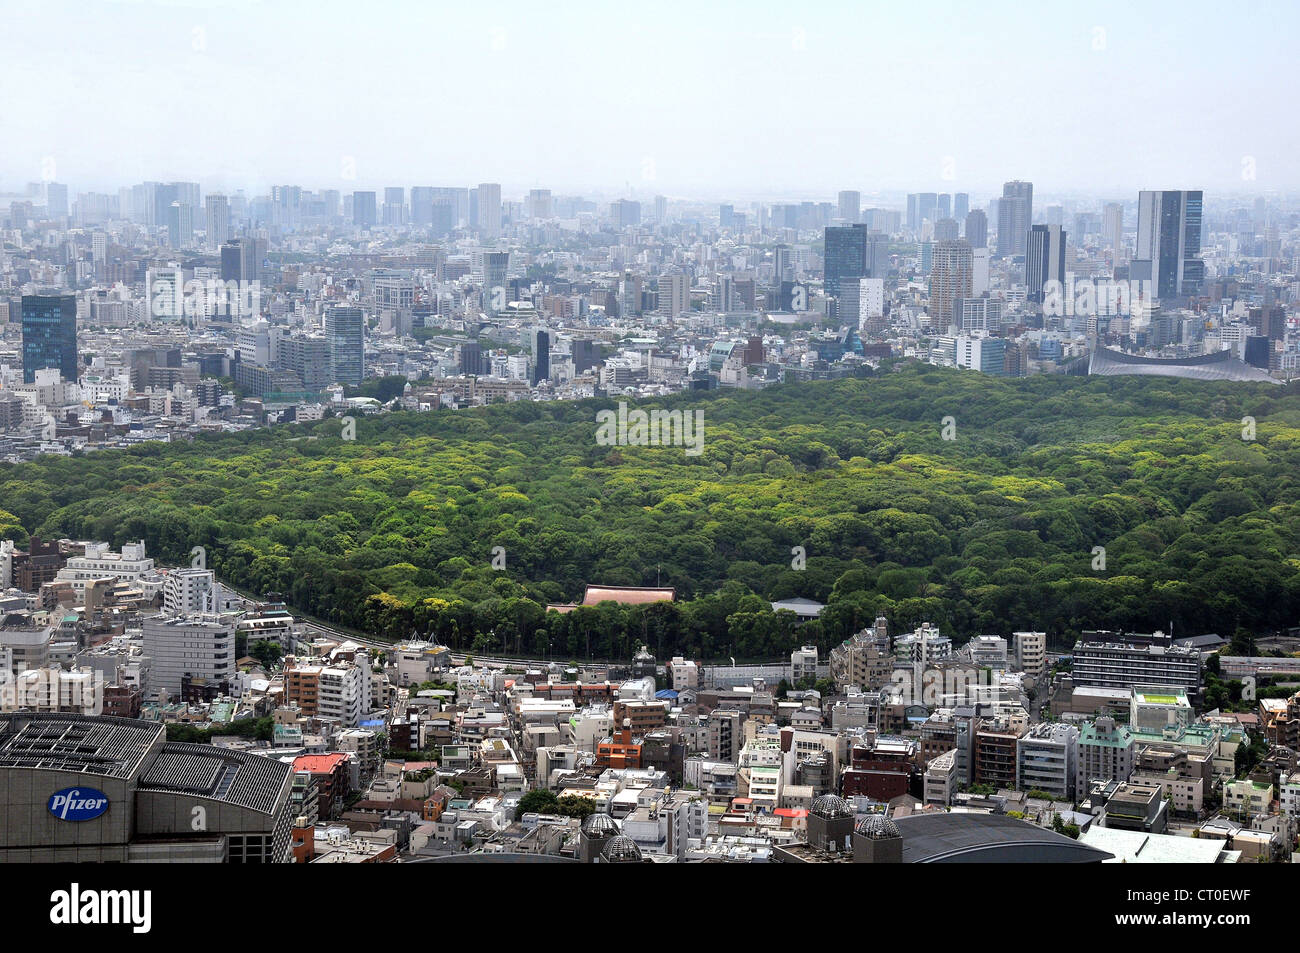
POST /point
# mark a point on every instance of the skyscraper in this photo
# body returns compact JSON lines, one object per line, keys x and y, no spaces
{"x":1168,"y":250}
{"x":951,"y":276}
{"x":421,"y":205}
{"x":363,"y":209}
{"x":539,"y":203}
{"x":960,"y":205}
{"x":394,"y":206}
{"x":1015,"y":215}
{"x":1044,"y":260}
{"x":1112,"y":225}
{"x":49,"y":335}
{"x":541,"y":355}
{"x":345,"y":332}
{"x":845,"y":255}
{"x":56,"y":201}
{"x":977,"y":228}
{"x":180,"y":225}
{"x":496,"y":266}
{"x":489,"y":209}
{"x":217,"y":227}
{"x":850,"y":206}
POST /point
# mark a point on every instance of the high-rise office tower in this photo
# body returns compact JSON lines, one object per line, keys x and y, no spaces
{"x":661,"y":209}
{"x":49,"y":335}
{"x":471,"y":358}
{"x":421,"y":205}
{"x":782,"y":263}
{"x":850,"y":206}
{"x":960,"y":205}
{"x":217,"y":227}
{"x":1044,"y":260}
{"x":946,"y":230}
{"x":1168,"y":249}
{"x":977,"y":228}
{"x":394,"y":206}
{"x":944,"y":207}
{"x":539,"y":203}
{"x":363,"y":209}
{"x":1113,"y":225}
{"x":927,"y":208}
{"x":951,"y":277}
{"x":496,"y":265}
{"x":345,"y":332}
{"x":845,"y":255}
{"x":726,"y":216}
{"x":625,"y":212}
{"x":180,"y":225}
{"x":489,"y":209}
{"x":541,"y":355}
{"x":1015,"y":215}
{"x":852,"y":251}
{"x":674,"y":293}
{"x":56,"y":201}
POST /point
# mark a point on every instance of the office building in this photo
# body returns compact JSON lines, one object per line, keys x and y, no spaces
{"x":850,"y":206}
{"x":1015,"y":215}
{"x":193,"y":656}
{"x":1117,"y":660}
{"x":1168,"y":248}
{"x":345,"y":334}
{"x":1044,"y":261}
{"x":488,"y":199}
{"x":50,"y":335}
{"x":541,"y":348}
{"x":83,"y":789}
{"x":363,"y":209}
{"x":216,"y":231}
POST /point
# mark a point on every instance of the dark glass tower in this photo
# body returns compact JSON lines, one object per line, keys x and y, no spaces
{"x":49,"y":335}
{"x":345,"y":332}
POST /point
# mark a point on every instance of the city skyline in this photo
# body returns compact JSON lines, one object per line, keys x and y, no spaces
{"x":1111,"y":98}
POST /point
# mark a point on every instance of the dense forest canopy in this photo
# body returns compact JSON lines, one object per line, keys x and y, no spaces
{"x":990,"y":532}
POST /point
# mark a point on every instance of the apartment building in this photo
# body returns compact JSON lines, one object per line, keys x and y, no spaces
{"x":1047,"y":760}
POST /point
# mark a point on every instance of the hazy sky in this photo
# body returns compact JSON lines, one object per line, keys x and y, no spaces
{"x":737,"y":100}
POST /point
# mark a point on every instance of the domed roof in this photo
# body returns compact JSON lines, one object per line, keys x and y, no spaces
{"x":828,"y":805}
{"x":877,"y":826}
{"x":599,"y":825}
{"x":621,"y":850}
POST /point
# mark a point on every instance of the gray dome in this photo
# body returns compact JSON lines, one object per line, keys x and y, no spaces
{"x":599,"y":825}
{"x":877,"y":826}
{"x":621,"y":850}
{"x":828,"y":805}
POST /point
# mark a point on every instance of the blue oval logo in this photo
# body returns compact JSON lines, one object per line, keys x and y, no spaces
{"x":78,"y":804}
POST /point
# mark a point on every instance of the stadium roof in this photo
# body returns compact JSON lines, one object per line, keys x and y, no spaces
{"x":987,"y":838}
{"x":1219,"y":366}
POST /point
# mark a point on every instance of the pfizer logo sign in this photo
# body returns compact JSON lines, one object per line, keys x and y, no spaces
{"x":78,"y":804}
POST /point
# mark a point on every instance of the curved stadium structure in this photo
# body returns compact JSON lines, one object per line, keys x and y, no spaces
{"x":1219,"y":366}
